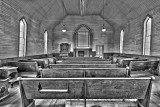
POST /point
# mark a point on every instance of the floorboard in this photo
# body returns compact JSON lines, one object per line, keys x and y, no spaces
{"x":14,"y":99}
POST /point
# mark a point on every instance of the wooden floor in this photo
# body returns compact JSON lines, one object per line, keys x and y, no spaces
{"x":14,"y":99}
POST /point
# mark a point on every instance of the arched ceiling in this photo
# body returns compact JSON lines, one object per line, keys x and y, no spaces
{"x":51,"y":12}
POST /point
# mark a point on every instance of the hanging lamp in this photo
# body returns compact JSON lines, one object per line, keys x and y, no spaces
{"x":103,"y":27}
{"x":64,"y":28}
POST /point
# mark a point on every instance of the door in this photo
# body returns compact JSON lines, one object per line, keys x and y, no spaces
{"x":99,"y":50}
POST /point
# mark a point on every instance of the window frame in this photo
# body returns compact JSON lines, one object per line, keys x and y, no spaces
{"x":22,"y":37}
{"x":121,"y":41}
{"x":147,"y":37}
{"x":45,"y":41}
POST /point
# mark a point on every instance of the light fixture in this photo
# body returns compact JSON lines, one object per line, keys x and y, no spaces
{"x":64,"y":29}
{"x":103,"y":28}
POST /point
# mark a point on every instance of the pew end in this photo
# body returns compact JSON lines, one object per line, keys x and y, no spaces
{"x":4,"y":85}
{"x":28,"y":69}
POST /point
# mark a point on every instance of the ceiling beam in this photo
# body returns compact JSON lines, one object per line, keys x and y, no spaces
{"x":83,"y":7}
{"x":64,"y":8}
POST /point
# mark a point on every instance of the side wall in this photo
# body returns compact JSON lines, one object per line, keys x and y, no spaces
{"x":94,"y":22}
{"x":10,"y":16}
{"x":133,"y":38}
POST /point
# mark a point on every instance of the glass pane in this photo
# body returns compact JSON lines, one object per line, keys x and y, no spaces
{"x":45,"y":42}
{"x":149,"y":27}
{"x":22,"y":38}
{"x":121,"y":41}
{"x":83,"y":39}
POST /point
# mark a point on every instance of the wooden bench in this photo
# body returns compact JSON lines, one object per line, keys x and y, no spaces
{"x":43,"y":63}
{"x":9,"y":72}
{"x":84,"y":72}
{"x":126,"y":61}
{"x":28,"y":69}
{"x":87,"y":88}
{"x":115,"y":59}
{"x":151,"y":66}
{"x":12,"y":63}
{"x":83,"y":62}
{"x":52,"y":60}
{"x":4,"y":85}
{"x":83,"y":65}
{"x":84,"y":58}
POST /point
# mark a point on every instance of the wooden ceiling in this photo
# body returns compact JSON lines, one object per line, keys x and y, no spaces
{"x":116,"y":12}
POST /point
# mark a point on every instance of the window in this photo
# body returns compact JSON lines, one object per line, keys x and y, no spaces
{"x":83,"y":38}
{"x":22,"y":38}
{"x":99,"y":50}
{"x":45,"y":42}
{"x":121,"y":41}
{"x":147,"y":36}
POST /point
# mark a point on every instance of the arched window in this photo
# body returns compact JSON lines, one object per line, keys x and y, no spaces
{"x":45,"y":42}
{"x":22,"y":38}
{"x":147,"y":36}
{"x":121,"y":41}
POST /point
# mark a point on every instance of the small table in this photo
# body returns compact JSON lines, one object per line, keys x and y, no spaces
{"x":12,"y":73}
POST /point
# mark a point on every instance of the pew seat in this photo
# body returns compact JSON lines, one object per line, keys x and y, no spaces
{"x":124,"y":89}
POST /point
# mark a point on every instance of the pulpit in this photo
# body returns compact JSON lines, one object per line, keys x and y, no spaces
{"x":64,"y":49}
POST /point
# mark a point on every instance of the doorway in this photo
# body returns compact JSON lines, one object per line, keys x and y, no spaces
{"x":99,"y":50}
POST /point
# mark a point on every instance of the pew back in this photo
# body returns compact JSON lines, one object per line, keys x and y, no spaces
{"x":151,"y":66}
{"x":126,"y":61}
{"x":83,"y":62}
{"x":84,"y":72}
{"x":41,"y":62}
{"x":84,"y":58}
{"x":27,"y":69}
{"x":83,"y":65}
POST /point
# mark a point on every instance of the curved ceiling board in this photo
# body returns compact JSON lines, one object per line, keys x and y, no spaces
{"x":112,"y":14}
{"x":94,"y":7}
{"x":72,"y":6}
{"x":50,"y":11}
{"x":55,"y":15}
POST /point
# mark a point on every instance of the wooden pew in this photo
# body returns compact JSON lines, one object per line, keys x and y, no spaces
{"x":84,"y":58}
{"x":4,"y":85}
{"x":52,"y":60}
{"x":151,"y":66}
{"x":115,"y":59}
{"x":84,"y":72}
{"x":9,"y":72}
{"x":43,"y":63}
{"x":126,"y":61}
{"x":28,"y":69}
{"x":12,"y":63}
{"x":83,"y":65}
{"x":87,"y":88}
{"x":83,"y":62}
